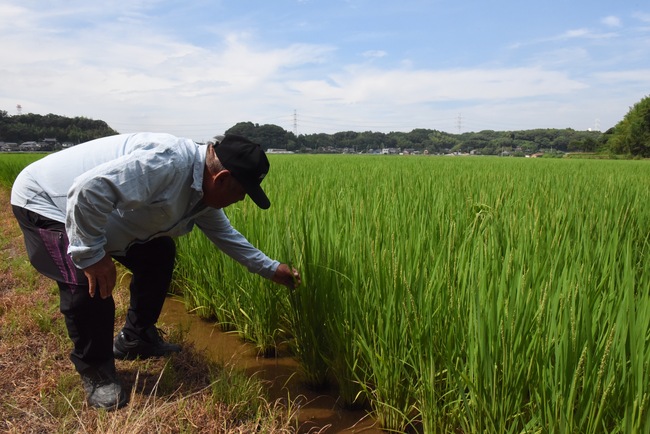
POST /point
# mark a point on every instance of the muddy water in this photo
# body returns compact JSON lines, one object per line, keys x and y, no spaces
{"x":280,"y":373}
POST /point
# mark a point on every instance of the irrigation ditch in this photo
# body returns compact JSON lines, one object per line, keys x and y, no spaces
{"x":318,"y":409}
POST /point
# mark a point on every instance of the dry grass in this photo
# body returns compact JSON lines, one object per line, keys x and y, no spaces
{"x":40,"y":391}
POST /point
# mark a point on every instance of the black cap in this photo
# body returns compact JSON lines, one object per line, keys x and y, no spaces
{"x":247,"y":162}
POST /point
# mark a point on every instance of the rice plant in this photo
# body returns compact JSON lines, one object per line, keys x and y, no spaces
{"x":11,"y":164}
{"x":473,"y":295}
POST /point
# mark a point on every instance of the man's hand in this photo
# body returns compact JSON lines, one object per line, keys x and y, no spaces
{"x":287,"y":276}
{"x":101,"y":275}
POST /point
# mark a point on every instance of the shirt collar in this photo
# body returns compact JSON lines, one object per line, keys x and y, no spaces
{"x":199,"y":164}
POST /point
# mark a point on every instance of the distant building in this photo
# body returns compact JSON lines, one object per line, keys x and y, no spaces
{"x":9,"y":146}
{"x":29,"y":147}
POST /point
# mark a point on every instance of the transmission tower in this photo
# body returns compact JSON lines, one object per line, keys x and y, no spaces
{"x":19,"y":109}
{"x":295,"y":123}
{"x":459,"y":122}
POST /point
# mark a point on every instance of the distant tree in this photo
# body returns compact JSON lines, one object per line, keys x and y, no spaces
{"x":246,"y":129}
{"x":268,"y":135}
{"x":403,"y":141}
{"x":375,"y":140}
{"x":561,"y":141}
{"x":273,"y":136}
{"x":440,"y":141}
{"x":585,"y":144}
{"x":419,"y":139}
{"x":631,"y":135}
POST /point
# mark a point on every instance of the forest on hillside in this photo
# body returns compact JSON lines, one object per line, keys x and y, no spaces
{"x":33,"y":127}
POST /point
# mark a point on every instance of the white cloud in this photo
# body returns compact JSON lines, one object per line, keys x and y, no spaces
{"x":13,"y":16}
{"x":639,"y":76}
{"x":572,"y":34}
{"x":611,"y":21}
{"x":575,"y":33}
{"x":561,"y":58}
{"x":365,"y":85}
{"x":584,"y":34}
{"x":374,"y":53}
{"x":641,"y":16}
{"x":154,"y":83}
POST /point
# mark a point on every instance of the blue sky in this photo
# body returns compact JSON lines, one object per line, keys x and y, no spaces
{"x":195,"y":68}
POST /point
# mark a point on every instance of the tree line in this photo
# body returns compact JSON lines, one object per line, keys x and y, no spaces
{"x":630,"y":137}
{"x":34,"y":127}
{"x":423,"y":140}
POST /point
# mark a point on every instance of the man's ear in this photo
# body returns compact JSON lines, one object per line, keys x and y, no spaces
{"x":221,"y":176}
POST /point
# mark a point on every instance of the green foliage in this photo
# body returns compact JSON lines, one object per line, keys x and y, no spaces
{"x":631,"y":136}
{"x":34,"y":127}
{"x":462,"y":295}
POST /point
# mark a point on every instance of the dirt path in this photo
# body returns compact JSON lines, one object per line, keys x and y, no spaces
{"x":27,"y":314}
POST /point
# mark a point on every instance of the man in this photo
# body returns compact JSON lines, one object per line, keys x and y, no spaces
{"x":125,"y":197}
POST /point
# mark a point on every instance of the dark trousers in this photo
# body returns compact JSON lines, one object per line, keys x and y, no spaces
{"x":90,"y":320}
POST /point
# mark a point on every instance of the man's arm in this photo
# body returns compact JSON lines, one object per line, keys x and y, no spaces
{"x":218,"y":229}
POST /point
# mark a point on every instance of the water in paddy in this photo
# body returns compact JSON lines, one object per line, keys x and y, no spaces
{"x":280,"y":373}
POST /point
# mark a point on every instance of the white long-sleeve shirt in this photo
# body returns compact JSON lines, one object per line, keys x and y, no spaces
{"x":124,"y":189}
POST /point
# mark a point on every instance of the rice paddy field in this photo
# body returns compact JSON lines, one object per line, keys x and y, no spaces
{"x":467,"y":295}
{"x":481,"y":294}
{"x":12,"y":164}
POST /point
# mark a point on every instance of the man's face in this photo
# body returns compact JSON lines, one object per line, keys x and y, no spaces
{"x":222,"y":190}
